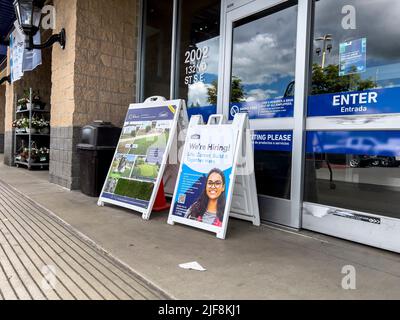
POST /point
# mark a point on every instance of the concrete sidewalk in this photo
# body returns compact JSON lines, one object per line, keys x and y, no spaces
{"x":42,"y":258}
{"x":252,"y":263}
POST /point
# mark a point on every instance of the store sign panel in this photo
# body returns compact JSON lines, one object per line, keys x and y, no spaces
{"x":209,"y":155}
{"x":137,"y":168}
{"x":273,"y":140}
{"x":21,"y":59}
{"x":264,"y":109}
{"x":139,"y":155}
{"x":374,"y":101}
{"x":210,"y":162}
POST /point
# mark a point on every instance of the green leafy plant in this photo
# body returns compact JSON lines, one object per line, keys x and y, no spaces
{"x":43,"y":154}
{"x":24,"y":100}
{"x":21,"y":123}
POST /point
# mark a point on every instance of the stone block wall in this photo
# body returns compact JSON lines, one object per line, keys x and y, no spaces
{"x":105,"y":70}
{"x":94,"y":78}
{"x":63,"y":98}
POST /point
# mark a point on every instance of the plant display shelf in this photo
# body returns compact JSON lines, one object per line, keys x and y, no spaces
{"x":41,"y":165}
{"x":33,"y":111}
{"x":27,"y":140}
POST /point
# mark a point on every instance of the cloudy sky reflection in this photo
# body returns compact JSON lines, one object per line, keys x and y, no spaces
{"x":264,"y":52}
{"x":377,"y":21}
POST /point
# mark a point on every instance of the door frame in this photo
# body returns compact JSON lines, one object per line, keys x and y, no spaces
{"x":280,"y":211}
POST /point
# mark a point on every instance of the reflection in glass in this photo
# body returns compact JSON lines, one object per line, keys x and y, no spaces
{"x":273,"y":173}
{"x":355,"y":46}
{"x":157,"y":48}
{"x":263,"y":56}
{"x":356,"y":170}
{"x":199,"y":55}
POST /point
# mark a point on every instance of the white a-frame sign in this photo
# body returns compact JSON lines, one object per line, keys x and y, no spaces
{"x":138,"y":165}
{"x":217,"y":158}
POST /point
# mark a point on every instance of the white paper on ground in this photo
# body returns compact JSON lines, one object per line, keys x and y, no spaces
{"x":192,"y":266}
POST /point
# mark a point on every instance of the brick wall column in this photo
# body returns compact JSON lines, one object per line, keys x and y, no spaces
{"x":8,"y":118}
{"x":64,"y":170}
{"x":93,"y":78}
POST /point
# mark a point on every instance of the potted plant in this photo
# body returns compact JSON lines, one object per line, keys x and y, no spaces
{"x":24,"y":155}
{"x":43,"y":154}
{"x":44,"y":126}
{"x":17,"y":125}
{"x":23,"y":103}
{"x":40,"y":125}
{"x":34,"y":154}
{"x":37,"y":102}
{"x":33,"y":127}
{"x":21,"y":125}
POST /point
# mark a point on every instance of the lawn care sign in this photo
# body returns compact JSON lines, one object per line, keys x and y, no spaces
{"x":140,"y":159}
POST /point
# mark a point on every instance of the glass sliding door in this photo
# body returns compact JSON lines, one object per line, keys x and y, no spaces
{"x":263,"y":68}
{"x":352,"y":173}
{"x":259,"y":77}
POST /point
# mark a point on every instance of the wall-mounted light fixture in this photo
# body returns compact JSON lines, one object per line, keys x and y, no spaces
{"x":29,"y":13}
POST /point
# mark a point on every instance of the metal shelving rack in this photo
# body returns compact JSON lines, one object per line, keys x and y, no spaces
{"x":29,"y":164}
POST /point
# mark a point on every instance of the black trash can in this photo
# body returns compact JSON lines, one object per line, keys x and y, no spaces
{"x":96,"y":150}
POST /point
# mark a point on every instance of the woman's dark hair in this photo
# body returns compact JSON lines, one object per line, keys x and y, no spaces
{"x":200,"y":206}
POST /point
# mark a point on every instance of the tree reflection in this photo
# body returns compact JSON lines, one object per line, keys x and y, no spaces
{"x":237,"y":91}
{"x":327,"y":80}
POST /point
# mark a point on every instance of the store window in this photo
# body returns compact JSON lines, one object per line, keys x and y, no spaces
{"x":357,"y":170}
{"x":264,"y":63}
{"x":198,"y":43}
{"x":355,"y":58}
{"x":157,"y":44}
{"x":355,"y":72}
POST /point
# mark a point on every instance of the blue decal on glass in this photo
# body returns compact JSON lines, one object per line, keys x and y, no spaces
{"x":273,"y":140}
{"x":270,"y":108}
{"x":372,"y":143}
{"x":372,"y":101}
{"x":353,"y":57}
{"x":205,"y":111}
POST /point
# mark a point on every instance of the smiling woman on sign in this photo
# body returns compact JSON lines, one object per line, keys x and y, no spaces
{"x":210,"y":206}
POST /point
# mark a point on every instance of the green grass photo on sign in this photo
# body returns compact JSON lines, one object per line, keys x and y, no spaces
{"x":134,"y":189}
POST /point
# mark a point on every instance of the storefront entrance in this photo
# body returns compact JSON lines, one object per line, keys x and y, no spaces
{"x":337,"y":172}
{"x":259,"y":73}
{"x":322,"y":91}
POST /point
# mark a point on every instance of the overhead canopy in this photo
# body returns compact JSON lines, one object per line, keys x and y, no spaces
{"x":7,"y":18}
